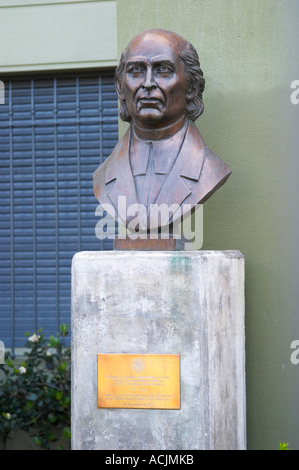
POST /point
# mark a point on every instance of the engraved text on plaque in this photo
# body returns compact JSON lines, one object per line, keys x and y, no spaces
{"x":139,"y":381}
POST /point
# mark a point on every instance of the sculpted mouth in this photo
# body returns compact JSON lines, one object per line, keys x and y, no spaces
{"x":149,"y":102}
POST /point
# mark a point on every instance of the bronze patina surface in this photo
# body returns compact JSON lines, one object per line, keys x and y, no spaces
{"x":162,"y":158}
{"x":145,"y":244}
{"x":139,"y":381}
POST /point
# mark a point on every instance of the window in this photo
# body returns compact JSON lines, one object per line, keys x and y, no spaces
{"x":54,"y":132}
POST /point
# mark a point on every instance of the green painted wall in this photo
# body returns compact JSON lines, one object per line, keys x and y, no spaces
{"x":247,"y":54}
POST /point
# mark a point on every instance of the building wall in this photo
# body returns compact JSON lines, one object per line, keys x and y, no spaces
{"x":40,"y":35}
{"x":247,"y":54}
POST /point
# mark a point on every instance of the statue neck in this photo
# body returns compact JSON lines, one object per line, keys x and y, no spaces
{"x":158,"y":134}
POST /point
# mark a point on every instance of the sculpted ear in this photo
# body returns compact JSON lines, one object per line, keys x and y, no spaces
{"x":118,"y":77}
{"x":119,"y":91}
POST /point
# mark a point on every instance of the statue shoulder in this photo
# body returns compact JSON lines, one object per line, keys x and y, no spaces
{"x":214,"y":173}
{"x":216,"y":164}
{"x":214,"y":168}
{"x":105,"y":172}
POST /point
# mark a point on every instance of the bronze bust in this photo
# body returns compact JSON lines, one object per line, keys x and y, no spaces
{"x":162,"y":158}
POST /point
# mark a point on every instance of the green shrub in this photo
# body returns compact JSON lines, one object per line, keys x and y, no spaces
{"x":35,"y":392}
{"x":283,"y":446}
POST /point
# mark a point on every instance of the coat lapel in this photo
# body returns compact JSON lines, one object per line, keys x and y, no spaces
{"x":119,"y":179}
{"x":188,"y":166}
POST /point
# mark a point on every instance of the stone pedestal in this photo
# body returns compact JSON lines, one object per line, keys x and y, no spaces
{"x":186,"y":303}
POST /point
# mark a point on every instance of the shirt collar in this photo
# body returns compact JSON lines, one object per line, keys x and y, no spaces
{"x":165,"y":149}
{"x":158,"y":134}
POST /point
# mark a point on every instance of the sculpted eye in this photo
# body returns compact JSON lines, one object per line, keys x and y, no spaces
{"x":136,"y":69}
{"x":164,"y":70}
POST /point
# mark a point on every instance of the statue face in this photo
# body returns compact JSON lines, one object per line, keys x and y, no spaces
{"x":154,"y":83}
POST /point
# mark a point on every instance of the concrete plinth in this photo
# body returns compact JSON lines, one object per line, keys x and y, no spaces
{"x":186,"y":303}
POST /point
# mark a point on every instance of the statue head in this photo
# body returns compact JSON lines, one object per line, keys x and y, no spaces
{"x":159,"y":79}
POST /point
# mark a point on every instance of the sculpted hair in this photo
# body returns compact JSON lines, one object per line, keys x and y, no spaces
{"x":118,"y":77}
{"x":194,"y":77}
{"x":195,"y":82}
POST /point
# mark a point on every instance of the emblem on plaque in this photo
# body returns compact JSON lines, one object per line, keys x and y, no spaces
{"x":137,"y":365}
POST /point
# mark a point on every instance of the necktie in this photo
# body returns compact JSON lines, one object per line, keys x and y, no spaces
{"x":149,"y":178}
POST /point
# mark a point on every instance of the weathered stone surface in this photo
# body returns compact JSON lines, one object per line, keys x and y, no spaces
{"x":187,"y":303}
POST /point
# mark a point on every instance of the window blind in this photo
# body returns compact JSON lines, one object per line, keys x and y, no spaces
{"x":54,"y":132}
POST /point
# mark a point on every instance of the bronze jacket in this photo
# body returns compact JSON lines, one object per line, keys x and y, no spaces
{"x":196,"y":174}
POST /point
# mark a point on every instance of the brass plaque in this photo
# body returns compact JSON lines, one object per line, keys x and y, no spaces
{"x":139,"y":381}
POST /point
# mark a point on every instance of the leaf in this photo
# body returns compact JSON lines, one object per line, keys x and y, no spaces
{"x":66,"y":401}
{"x":37,"y":441}
{"x":32,"y":397}
{"x":59,"y":395}
{"x":9,"y":362}
{"x":51,"y":437}
{"x":28,"y":406}
{"x":283,"y":446}
{"x":67,"y":433}
{"x":62,"y":366}
{"x":64,"y":329}
{"x":53,"y":342}
{"x":51,"y":418}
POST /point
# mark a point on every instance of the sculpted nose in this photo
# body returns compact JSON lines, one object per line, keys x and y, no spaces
{"x":149,"y":81}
